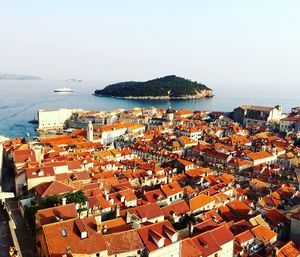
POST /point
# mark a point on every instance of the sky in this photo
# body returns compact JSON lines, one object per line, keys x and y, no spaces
{"x":232,"y":41}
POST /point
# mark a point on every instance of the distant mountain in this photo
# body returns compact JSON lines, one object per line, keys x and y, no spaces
{"x":18,"y":77}
{"x":169,"y":87}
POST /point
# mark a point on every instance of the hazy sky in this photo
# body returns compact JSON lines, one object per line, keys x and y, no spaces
{"x":255,"y":41}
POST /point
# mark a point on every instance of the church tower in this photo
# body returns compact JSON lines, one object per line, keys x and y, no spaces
{"x":90,"y":132}
{"x":170,"y":114}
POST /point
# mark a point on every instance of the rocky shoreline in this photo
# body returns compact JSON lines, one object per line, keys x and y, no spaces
{"x":198,"y":95}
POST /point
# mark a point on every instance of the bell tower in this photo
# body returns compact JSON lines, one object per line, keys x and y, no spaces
{"x":90,"y":132}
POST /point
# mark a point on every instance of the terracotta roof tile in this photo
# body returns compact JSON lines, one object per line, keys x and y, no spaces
{"x":199,"y":201}
{"x":52,"y":188}
{"x":180,"y":208}
{"x":122,"y":242}
{"x":54,"y":214}
{"x":264,"y":234}
{"x":160,"y":229}
{"x":288,"y":250}
{"x":171,"y":188}
{"x":63,"y":235}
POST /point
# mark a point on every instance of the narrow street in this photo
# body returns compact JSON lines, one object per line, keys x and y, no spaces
{"x":5,"y":237}
{"x":24,"y":236}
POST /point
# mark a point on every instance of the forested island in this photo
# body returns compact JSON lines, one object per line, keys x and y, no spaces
{"x":168,"y":87}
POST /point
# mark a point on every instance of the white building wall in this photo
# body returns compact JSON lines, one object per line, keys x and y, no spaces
{"x":172,"y":250}
{"x":110,"y":136}
{"x":269,"y":160}
{"x":227,"y":249}
{"x":51,"y":119}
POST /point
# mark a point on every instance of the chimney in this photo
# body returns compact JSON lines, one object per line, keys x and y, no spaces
{"x":117,"y":211}
{"x":64,"y":201}
{"x":190,"y":228}
{"x":104,"y":230}
{"x":98,"y":223}
{"x":106,"y":195}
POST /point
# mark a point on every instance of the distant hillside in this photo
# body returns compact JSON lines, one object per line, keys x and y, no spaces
{"x":169,"y":87}
{"x":18,"y":77}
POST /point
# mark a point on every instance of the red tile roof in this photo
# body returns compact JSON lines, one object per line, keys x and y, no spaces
{"x":149,"y":211}
{"x":206,"y":244}
{"x":52,"y":188}
{"x":180,"y":208}
{"x":275,"y":217}
{"x":199,"y":201}
{"x":63,"y":235}
{"x":264,"y":234}
{"x":244,"y":237}
{"x":153,"y":195}
{"x":171,"y":189}
{"x":259,"y":155}
{"x":222,"y":235}
{"x":288,"y":250}
{"x":122,"y":242}
{"x":54,"y":214}
{"x":190,"y":249}
{"x":161,"y":229}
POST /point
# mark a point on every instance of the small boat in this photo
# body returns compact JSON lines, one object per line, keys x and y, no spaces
{"x":63,"y":90}
{"x":34,"y":121}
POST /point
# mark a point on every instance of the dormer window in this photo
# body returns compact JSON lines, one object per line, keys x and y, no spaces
{"x":172,"y":234}
{"x":82,"y":228}
{"x":158,"y":239}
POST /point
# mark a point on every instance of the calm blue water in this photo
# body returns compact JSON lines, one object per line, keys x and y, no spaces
{"x":20,"y":100}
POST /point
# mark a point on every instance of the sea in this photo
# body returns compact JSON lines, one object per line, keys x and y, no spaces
{"x":21,"y":99}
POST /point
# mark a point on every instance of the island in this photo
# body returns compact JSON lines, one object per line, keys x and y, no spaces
{"x":168,"y":87}
{"x":18,"y":77}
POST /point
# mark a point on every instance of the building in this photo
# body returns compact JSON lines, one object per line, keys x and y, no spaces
{"x":161,"y":240}
{"x":261,"y":158}
{"x":257,"y":115}
{"x":290,"y":123}
{"x":54,"y":119}
{"x":201,"y":202}
{"x":295,"y":227}
{"x":79,"y":237}
{"x":173,"y":192}
{"x":124,"y":243}
{"x":90,"y":132}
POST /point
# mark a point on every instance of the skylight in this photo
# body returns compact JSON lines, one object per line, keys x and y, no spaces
{"x":64,"y":233}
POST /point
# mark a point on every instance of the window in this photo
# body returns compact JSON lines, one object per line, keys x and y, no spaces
{"x":64,"y":233}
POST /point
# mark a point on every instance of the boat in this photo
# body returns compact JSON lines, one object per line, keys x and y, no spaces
{"x":63,"y":90}
{"x":34,"y":121}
